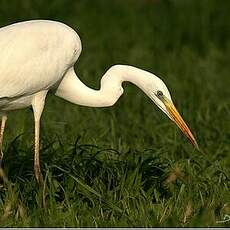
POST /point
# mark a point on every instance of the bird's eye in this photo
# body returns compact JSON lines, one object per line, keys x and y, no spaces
{"x":159,"y":93}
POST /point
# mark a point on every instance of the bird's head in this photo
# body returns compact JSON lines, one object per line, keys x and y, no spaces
{"x":159,"y":94}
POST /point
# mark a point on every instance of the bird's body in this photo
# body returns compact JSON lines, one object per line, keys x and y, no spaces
{"x":38,"y":56}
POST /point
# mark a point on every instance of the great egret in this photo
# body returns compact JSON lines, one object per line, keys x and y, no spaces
{"x":39,"y":55}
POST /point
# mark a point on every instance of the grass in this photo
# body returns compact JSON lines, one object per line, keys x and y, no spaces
{"x":128,"y":165}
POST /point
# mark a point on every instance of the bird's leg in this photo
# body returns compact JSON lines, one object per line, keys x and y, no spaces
{"x":37,"y":170}
{"x":3,"y":124}
{"x":38,"y":105}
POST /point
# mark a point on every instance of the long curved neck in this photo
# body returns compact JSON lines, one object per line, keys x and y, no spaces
{"x":74,"y":91}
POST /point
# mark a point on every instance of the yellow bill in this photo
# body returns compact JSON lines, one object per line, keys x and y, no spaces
{"x":176,"y":117}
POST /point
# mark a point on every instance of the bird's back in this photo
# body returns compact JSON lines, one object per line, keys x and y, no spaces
{"x":35,"y":55}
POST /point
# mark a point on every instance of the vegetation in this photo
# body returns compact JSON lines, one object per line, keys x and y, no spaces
{"x":128,"y":165}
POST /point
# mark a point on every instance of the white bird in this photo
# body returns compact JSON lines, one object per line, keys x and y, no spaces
{"x":38,"y":56}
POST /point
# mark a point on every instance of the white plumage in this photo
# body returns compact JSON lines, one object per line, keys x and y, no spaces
{"x":39,"y":55}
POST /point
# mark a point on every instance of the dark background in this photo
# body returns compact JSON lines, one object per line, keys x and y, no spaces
{"x":128,"y":165}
